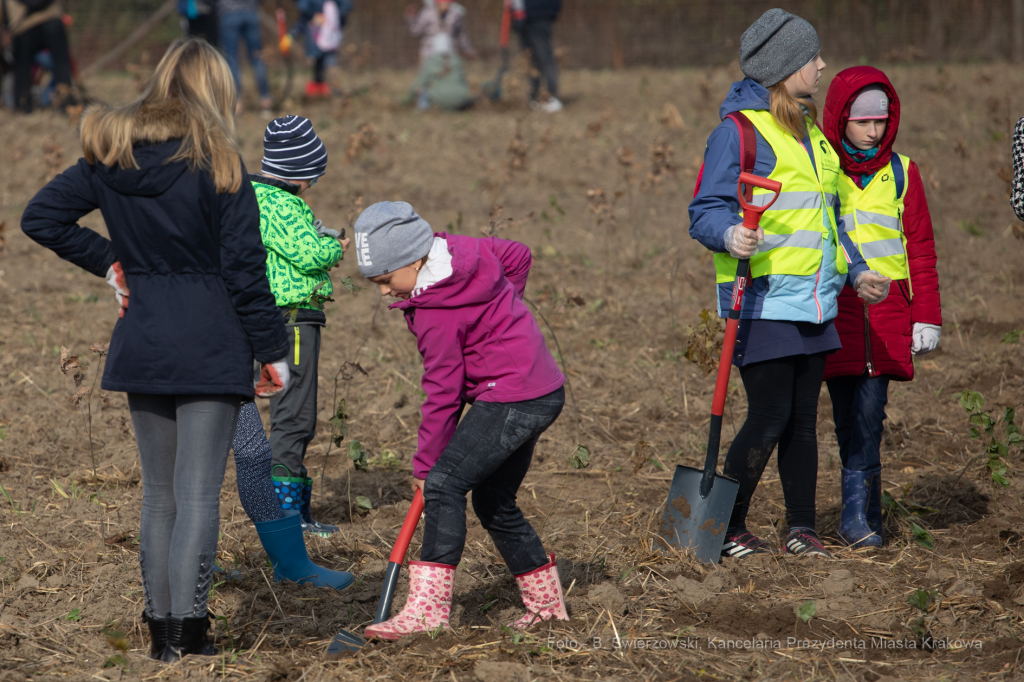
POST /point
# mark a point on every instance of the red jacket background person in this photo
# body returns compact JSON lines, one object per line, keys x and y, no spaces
{"x":884,"y":211}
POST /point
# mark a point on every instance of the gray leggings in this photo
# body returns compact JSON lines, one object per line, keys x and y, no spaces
{"x":183,"y":448}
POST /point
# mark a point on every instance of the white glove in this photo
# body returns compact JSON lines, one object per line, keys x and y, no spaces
{"x":274,"y":377}
{"x":742,"y":242}
{"x":926,"y":338}
{"x":116,"y":279}
{"x":325,"y":231}
{"x":872,"y":287}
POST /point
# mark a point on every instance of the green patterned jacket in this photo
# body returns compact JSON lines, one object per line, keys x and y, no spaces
{"x":297,"y":257}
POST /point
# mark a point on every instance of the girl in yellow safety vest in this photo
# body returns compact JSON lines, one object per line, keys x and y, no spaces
{"x":885,"y":212}
{"x":799,"y":262}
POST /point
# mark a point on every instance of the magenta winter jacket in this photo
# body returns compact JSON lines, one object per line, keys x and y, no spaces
{"x":477,"y":338}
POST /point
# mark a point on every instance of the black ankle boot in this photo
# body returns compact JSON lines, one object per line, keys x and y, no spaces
{"x":157,"y":635}
{"x":187,"y":636}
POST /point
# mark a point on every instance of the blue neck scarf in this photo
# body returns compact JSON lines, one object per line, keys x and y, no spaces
{"x":861,"y":155}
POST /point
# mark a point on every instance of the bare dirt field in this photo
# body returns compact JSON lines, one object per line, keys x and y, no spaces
{"x":600,"y":194}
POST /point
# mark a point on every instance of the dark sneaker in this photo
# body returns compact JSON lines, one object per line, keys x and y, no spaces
{"x":804,"y":541}
{"x":743,"y":543}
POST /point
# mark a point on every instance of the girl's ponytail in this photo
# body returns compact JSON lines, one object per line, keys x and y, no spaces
{"x":792,"y":113}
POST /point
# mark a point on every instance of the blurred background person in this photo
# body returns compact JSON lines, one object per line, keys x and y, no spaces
{"x":533,"y":20}
{"x":237,"y":21}
{"x":323,"y":23}
{"x":32,"y":26}
{"x":441,"y":27}
{"x":199,"y":18}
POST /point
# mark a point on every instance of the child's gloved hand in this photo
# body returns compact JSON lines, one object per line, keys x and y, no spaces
{"x":872,"y":287}
{"x":116,"y":279}
{"x":925,"y":338}
{"x":742,"y":242}
{"x":274,"y":377}
{"x":325,"y":231}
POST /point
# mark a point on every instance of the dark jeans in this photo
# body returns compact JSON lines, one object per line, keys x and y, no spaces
{"x":782,"y":409}
{"x":535,"y":36}
{"x":858,"y":407}
{"x":252,"y":466}
{"x":319,"y":67}
{"x":236,"y":27}
{"x":293,"y":413}
{"x":49,"y":35}
{"x":183,"y":448}
{"x":489,"y":456}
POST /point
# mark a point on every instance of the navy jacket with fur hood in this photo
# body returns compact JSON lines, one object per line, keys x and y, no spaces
{"x":200,"y":308}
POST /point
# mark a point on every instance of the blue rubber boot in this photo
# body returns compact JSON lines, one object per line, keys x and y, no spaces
{"x":286,"y":547}
{"x":853,"y":524}
{"x":874,"y":513}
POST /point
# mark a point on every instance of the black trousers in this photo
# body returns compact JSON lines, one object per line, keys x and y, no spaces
{"x":782,"y":410}
{"x":535,"y":36}
{"x":489,"y":456}
{"x":49,"y":35}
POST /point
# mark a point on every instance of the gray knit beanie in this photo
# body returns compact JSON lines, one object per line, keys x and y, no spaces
{"x":389,"y":236}
{"x":776,"y":46}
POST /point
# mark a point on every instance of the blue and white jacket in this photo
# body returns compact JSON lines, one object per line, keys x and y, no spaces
{"x":715,"y":208}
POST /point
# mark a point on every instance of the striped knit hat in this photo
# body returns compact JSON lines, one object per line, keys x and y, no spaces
{"x":292,"y":151}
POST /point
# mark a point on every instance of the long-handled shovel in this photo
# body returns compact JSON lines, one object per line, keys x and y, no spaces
{"x":348,"y":642}
{"x":700,"y":502}
{"x":492,"y":89}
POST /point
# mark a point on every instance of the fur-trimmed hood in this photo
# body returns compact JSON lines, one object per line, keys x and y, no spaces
{"x":156,"y":137}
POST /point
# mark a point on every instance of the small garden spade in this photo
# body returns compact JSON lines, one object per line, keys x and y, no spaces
{"x":700,"y":502}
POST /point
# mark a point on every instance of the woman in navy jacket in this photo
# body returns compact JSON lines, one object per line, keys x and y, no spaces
{"x":184,"y":232}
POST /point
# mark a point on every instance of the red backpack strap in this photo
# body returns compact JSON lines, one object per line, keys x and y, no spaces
{"x":748,"y":150}
{"x":748,"y":147}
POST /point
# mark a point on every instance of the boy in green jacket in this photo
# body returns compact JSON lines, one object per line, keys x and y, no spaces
{"x":300,"y":251}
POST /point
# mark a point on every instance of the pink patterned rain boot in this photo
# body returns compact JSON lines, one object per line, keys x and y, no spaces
{"x":541,"y":590}
{"x":428,"y":605}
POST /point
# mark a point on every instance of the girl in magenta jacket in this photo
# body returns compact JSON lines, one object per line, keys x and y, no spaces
{"x":884,"y":210}
{"x":463,"y":300}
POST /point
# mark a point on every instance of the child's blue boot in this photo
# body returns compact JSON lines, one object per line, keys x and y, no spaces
{"x":853,"y":524}
{"x":874,"y":513}
{"x":286,"y":547}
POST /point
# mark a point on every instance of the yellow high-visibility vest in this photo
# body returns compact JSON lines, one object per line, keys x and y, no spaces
{"x":873,"y":217}
{"x":803,"y":217}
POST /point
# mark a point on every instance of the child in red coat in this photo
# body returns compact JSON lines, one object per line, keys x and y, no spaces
{"x":885,"y":212}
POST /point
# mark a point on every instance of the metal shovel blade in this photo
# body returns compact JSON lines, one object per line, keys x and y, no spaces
{"x":695,"y":522}
{"x":344,"y":643}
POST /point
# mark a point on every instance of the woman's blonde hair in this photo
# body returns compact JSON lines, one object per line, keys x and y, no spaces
{"x":191,"y":96}
{"x":791,"y":113}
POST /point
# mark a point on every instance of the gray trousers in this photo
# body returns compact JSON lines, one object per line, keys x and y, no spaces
{"x":293,"y":413}
{"x":183,"y":448}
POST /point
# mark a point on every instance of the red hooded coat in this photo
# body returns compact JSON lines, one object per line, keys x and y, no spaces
{"x":891,"y":321}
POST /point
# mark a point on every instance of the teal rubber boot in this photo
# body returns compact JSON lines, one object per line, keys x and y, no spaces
{"x":285,"y":546}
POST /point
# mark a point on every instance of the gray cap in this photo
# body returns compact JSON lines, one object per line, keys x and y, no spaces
{"x":776,"y":46}
{"x":389,"y":236}
{"x":871,"y":103}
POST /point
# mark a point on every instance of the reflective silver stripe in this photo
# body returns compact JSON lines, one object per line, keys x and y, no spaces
{"x":892,"y":222}
{"x":831,"y":199}
{"x":846,"y":223}
{"x":789,"y":201}
{"x":882,"y":248}
{"x":801,"y":239}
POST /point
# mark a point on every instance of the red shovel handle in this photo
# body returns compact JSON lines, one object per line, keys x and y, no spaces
{"x":751,"y":213}
{"x":412,"y":518}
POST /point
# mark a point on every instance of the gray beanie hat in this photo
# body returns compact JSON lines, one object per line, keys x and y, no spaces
{"x":389,"y":236}
{"x":776,"y":46}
